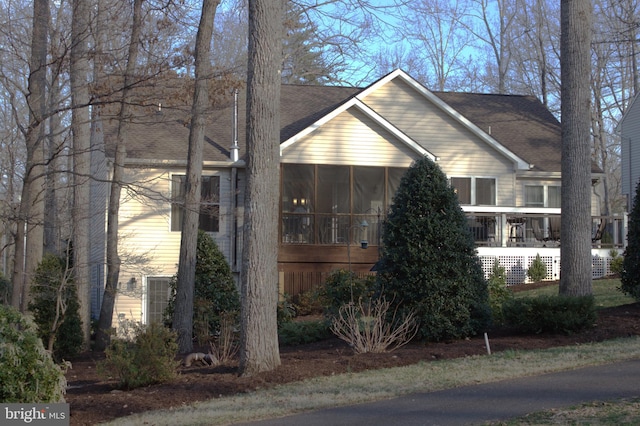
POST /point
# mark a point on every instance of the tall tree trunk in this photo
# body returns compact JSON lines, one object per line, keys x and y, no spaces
{"x":80,"y":126}
{"x":575,"y":64}
{"x":30,"y":232}
{"x":259,"y":335}
{"x":113,"y":259}
{"x":183,"y":315}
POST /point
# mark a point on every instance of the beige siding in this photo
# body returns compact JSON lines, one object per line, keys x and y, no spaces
{"x":147,"y":245}
{"x":351,"y":138}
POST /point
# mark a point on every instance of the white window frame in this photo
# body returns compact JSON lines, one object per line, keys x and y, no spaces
{"x":545,"y":193}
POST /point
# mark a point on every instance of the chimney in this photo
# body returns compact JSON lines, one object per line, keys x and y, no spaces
{"x":235,"y":149}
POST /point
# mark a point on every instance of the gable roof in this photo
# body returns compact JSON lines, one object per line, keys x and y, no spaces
{"x":354,"y":102}
{"x":518,"y":126}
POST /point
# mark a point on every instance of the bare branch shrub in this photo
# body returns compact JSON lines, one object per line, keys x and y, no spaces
{"x":225,"y":347}
{"x":367,"y":327}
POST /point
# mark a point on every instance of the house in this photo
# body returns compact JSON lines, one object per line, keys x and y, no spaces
{"x":629,"y":130}
{"x":343,"y":153}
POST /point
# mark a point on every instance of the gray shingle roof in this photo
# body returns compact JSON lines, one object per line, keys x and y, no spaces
{"x":520,"y":123}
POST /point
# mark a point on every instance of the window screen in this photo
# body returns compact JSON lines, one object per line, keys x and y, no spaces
{"x":333,"y":189}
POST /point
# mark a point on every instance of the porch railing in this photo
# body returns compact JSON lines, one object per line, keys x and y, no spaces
{"x":535,"y":227}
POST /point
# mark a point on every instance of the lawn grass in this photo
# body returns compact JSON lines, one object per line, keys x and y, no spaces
{"x":605,"y":291}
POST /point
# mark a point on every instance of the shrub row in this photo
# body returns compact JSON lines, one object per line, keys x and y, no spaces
{"x":550,"y":314}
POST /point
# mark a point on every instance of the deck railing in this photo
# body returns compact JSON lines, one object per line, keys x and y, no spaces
{"x":534,"y":227}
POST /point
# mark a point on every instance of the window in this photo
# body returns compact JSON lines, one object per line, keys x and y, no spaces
{"x":157,"y":298}
{"x":542,"y":196}
{"x":209,"y":203}
{"x":475,"y":190}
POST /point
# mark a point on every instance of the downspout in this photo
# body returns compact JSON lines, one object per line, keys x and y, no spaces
{"x":234,"y":156}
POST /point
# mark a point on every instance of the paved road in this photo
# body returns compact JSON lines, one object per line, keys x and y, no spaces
{"x":480,"y":403}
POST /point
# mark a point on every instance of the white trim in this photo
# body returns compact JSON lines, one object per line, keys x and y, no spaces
{"x":398,"y":73}
{"x":473,"y":194}
{"x":356,"y":103}
{"x":516,"y":210}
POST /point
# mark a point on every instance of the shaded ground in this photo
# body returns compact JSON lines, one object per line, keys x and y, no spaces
{"x":94,"y":400}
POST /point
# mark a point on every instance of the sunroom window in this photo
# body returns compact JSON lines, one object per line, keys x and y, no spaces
{"x":321,"y":204}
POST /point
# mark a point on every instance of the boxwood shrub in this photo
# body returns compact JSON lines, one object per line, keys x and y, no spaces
{"x":550,"y":314}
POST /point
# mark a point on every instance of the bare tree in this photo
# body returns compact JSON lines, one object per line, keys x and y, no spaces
{"x":113,"y":259}
{"x":81,"y":127}
{"x":259,"y":334}
{"x":575,"y":64}
{"x":433,"y":29}
{"x":183,"y":316}
{"x":30,"y":232}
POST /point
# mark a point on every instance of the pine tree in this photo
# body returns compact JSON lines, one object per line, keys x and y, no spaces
{"x":429,"y":263}
{"x":630,"y":275}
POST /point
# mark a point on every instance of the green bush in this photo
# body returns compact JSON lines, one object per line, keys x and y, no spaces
{"x":499,"y":294}
{"x":342,"y":287}
{"x":27,"y":373}
{"x":538,"y":270}
{"x":52,"y":287}
{"x":5,"y":290}
{"x":630,"y":274}
{"x":307,"y":303}
{"x":286,"y":310}
{"x":616,"y":262}
{"x":149,"y":358}
{"x":215,"y":289}
{"x":551,"y":314}
{"x":297,"y":333}
{"x":429,"y":262}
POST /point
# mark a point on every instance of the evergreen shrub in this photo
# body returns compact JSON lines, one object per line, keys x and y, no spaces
{"x":147,"y":359}
{"x":300,"y":332}
{"x":5,"y":290}
{"x":53,"y":289}
{"x":429,"y":263}
{"x":617,"y":261}
{"x":538,"y":270}
{"x":551,"y":314}
{"x":28,"y":373}
{"x":499,"y":293}
{"x":215,"y":290}
{"x":342,"y":287}
{"x":630,"y":274}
